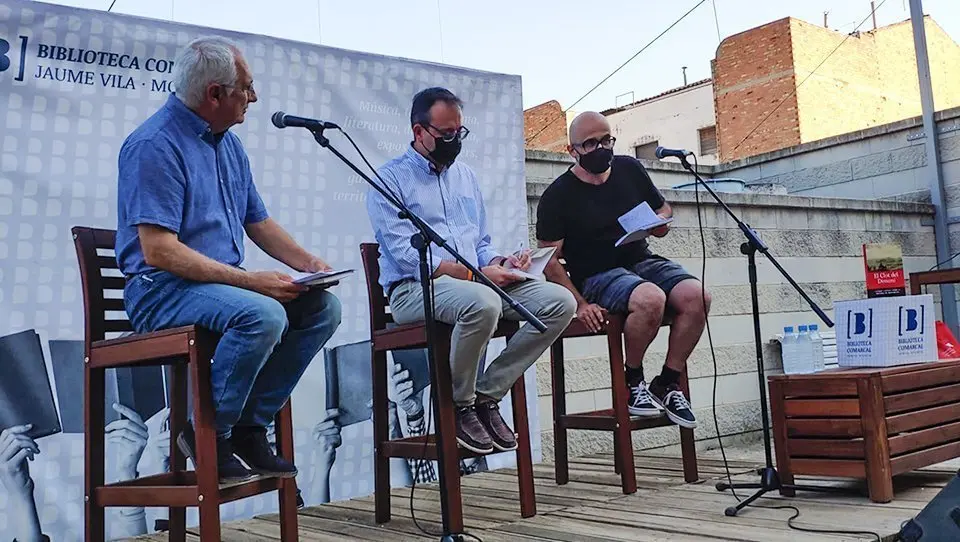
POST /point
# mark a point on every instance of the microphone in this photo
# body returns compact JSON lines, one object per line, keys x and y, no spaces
{"x":663,"y":152}
{"x":283,"y":120}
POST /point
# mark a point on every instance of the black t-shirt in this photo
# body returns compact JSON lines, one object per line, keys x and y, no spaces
{"x":585,"y":216}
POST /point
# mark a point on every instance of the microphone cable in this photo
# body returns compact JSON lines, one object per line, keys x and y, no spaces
{"x":429,"y":418}
{"x":716,"y":422}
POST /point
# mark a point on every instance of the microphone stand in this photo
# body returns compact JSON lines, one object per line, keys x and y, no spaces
{"x":421,"y":241}
{"x":769,"y":477}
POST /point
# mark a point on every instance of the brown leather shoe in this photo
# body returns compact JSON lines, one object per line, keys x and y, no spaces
{"x":503,"y":437}
{"x":471,"y":433}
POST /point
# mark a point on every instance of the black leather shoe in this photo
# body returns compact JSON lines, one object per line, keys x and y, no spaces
{"x":251,"y":445}
{"x":229,"y":468}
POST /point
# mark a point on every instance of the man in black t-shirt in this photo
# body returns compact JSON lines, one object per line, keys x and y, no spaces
{"x":578,"y":214}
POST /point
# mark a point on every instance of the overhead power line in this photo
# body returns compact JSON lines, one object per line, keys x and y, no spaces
{"x":111,"y":5}
{"x":809,"y":75}
{"x":563,"y":113}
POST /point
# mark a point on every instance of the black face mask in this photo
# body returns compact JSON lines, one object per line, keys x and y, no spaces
{"x":445,"y":152}
{"x":597,"y":161}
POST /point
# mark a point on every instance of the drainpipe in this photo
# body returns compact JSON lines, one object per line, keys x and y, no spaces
{"x":933,"y":172}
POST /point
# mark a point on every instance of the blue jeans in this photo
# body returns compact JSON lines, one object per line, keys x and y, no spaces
{"x":265,"y":345}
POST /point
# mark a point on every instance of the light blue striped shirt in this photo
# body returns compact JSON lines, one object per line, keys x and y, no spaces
{"x":450,"y":202}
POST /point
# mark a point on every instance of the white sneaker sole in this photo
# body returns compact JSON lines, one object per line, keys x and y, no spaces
{"x":474,"y":449}
{"x":686,"y":424}
{"x":645,"y":412}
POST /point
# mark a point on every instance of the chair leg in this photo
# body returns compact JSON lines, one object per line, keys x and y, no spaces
{"x":521,"y":424}
{"x":688,"y":443}
{"x":177,"y":516}
{"x":561,"y":468}
{"x":94,"y":530}
{"x":208,"y":483}
{"x":381,"y":434}
{"x":617,"y":467}
{"x":446,"y":435}
{"x":288,"y":489}
{"x":623,"y":446}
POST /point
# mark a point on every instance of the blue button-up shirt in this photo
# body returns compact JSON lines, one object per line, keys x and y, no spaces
{"x":176,"y":174}
{"x":450,"y":202}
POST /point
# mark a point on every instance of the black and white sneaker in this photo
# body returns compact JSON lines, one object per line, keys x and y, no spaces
{"x":641,"y":403}
{"x":674,"y":403}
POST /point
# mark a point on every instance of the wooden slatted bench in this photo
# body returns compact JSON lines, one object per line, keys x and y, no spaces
{"x":868,"y":423}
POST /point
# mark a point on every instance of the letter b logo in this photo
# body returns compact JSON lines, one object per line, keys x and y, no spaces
{"x":859,"y":323}
{"x":4,"y":59}
{"x":911,"y":323}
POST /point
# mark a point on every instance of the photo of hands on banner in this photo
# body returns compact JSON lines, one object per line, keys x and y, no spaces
{"x":137,"y":444}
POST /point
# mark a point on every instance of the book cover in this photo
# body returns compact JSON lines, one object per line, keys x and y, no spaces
{"x":883,"y":265}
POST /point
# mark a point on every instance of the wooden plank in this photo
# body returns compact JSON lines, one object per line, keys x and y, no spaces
{"x":923,"y":418}
{"x":835,"y":448}
{"x":819,"y":388}
{"x":875,"y":444}
{"x":921,"y":376}
{"x":908,"y":442}
{"x":913,"y":400}
{"x":828,"y":467}
{"x":836,"y":427}
{"x":919,"y":459}
{"x":821,"y":408}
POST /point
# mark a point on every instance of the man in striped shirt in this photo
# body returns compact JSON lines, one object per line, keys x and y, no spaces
{"x":446,"y":195}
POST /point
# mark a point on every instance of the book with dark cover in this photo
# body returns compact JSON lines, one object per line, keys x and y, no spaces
{"x":26,"y":396}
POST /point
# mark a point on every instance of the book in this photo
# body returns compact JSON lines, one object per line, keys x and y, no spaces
{"x":539,"y":258}
{"x":883,"y":264}
{"x":26,"y":396}
{"x":321,"y":278}
{"x":638,"y":222}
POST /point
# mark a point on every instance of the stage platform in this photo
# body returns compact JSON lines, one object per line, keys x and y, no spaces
{"x":591,"y":508}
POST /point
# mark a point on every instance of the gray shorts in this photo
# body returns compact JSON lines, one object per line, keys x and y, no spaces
{"x":611,"y":289}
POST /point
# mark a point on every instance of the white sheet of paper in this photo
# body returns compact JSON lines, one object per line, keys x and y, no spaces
{"x":638,"y":222}
{"x":539,"y":258}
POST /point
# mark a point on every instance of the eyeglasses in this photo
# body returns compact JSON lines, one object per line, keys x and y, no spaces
{"x":460,"y":133}
{"x":590,"y":145}
{"x":248,"y":90}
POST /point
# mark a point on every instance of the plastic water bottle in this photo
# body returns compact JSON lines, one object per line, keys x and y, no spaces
{"x":817,"y":340}
{"x":788,"y":349}
{"x":804,"y":351}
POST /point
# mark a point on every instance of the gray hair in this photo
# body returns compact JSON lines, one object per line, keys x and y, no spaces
{"x":210,"y":59}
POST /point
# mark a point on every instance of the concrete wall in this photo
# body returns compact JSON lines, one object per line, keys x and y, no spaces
{"x":544,"y":167}
{"x":672,"y":119}
{"x":817,"y":239}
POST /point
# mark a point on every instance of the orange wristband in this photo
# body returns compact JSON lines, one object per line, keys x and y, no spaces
{"x":469,"y":275}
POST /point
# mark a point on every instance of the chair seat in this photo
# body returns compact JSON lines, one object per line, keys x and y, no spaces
{"x":139,"y":348}
{"x":414,"y":336}
{"x":578,"y":328}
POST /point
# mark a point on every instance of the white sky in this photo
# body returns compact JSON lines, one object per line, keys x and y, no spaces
{"x":561,"y":48}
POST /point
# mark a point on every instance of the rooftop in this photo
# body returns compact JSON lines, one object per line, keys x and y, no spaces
{"x":695,"y":84}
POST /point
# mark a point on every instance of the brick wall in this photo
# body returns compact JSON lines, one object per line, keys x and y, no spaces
{"x":869,"y":81}
{"x":752,"y":73}
{"x":554,"y":136}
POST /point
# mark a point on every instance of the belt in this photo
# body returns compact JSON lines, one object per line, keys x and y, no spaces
{"x":394,"y":286}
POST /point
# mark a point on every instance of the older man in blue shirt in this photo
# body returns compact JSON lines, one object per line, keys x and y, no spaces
{"x":446,"y":195}
{"x":186,"y":197}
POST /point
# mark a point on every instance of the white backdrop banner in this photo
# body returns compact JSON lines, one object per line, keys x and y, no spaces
{"x":73,"y":84}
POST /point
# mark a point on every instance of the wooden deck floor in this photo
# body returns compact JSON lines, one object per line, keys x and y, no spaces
{"x":591,"y":508}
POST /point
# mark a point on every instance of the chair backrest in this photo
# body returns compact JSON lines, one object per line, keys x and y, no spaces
{"x":377,"y":299}
{"x":101,"y":282}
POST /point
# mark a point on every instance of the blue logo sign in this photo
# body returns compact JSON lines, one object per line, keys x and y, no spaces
{"x":6,"y":63}
{"x":909,"y":321}
{"x":859,"y":323}
{"x":4,"y":59}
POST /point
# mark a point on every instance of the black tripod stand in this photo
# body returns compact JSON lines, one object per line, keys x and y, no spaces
{"x":769,"y":478}
{"x":421,"y":241}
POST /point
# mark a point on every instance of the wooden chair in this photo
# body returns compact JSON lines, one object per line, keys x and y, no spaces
{"x":185,"y":349}
{"x":616,"y":420}
{"x":386,"y":336}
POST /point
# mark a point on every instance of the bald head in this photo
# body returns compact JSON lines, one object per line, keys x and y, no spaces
{"x":586,"y":125}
